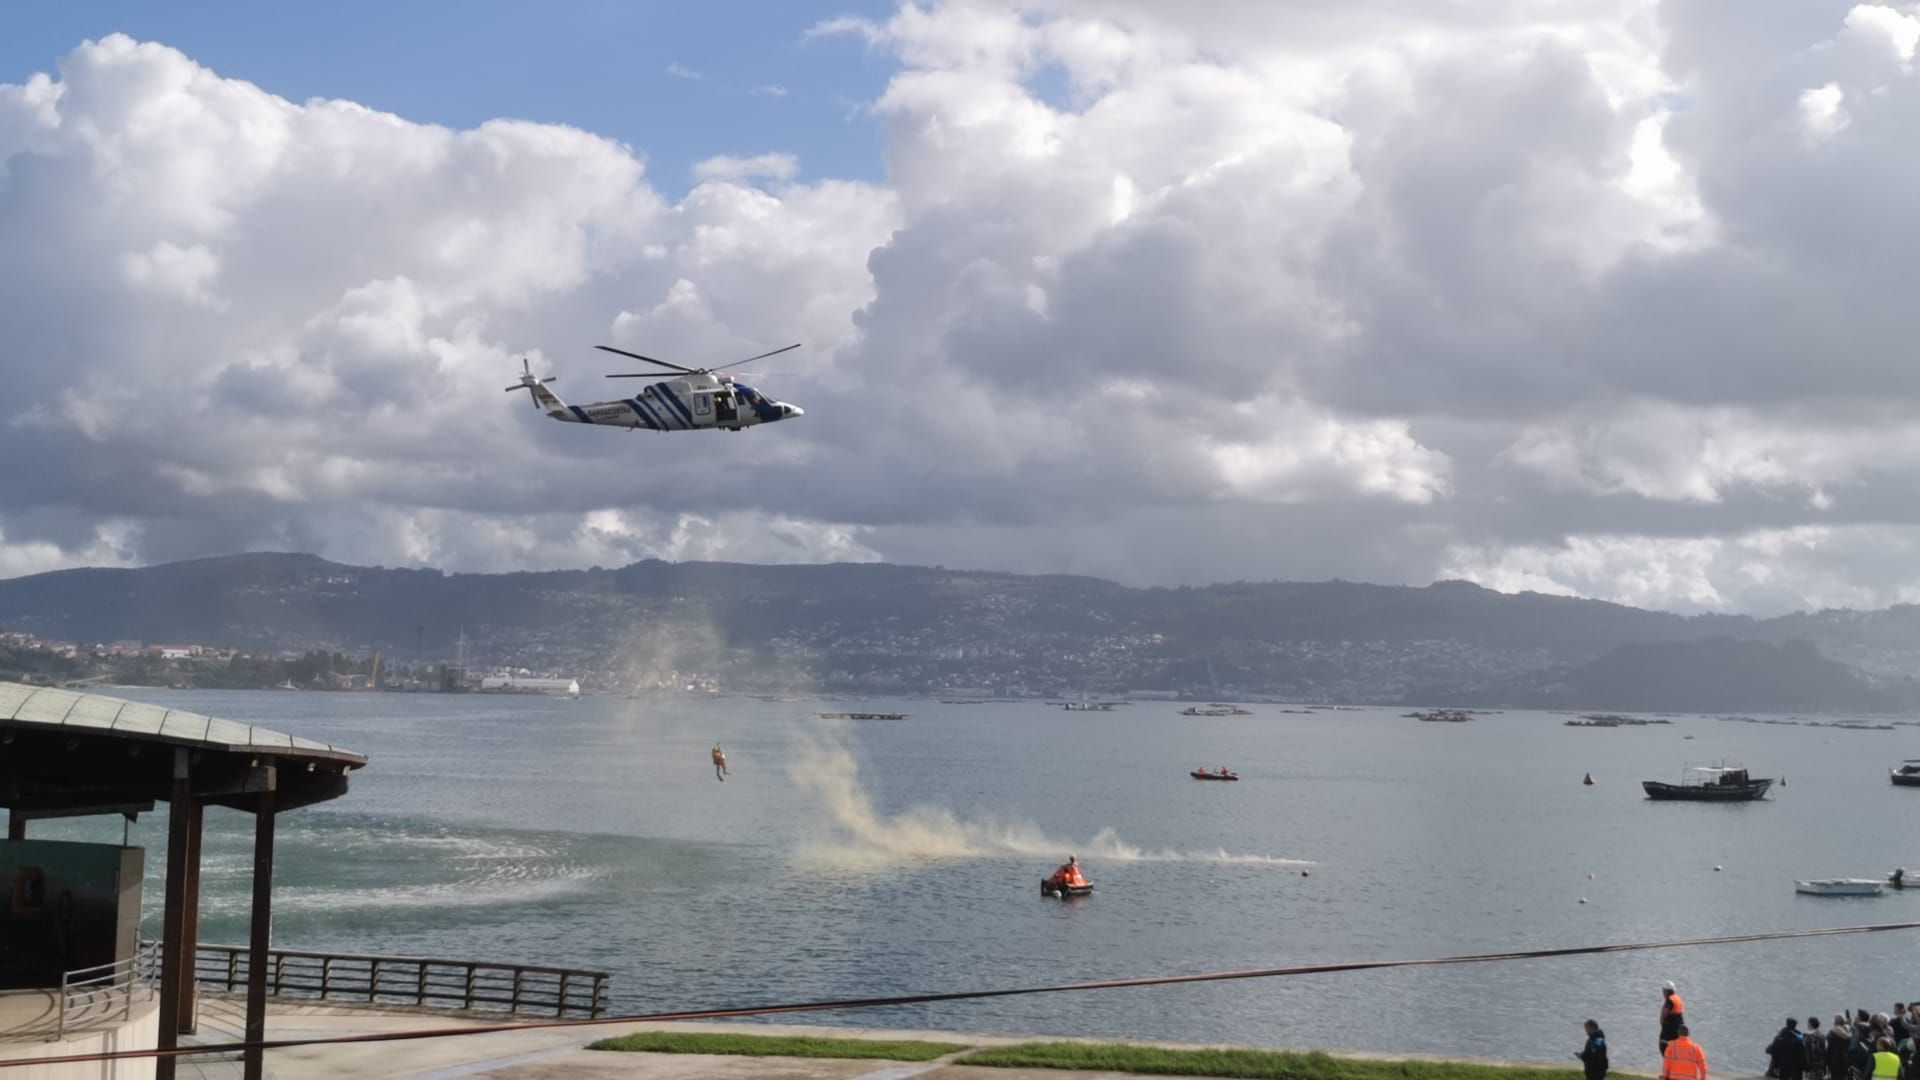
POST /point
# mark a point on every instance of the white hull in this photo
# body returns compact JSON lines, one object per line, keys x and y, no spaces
{"x":1840,"y":887}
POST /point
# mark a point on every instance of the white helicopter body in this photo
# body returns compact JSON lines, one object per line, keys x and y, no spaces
{"x":697,"y":398}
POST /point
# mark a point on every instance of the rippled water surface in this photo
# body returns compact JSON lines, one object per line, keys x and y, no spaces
{"x":879,"y":857}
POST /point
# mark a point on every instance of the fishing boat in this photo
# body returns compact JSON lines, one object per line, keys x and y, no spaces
{"x":1907,"y":775}
{"x":1710,"y":783}
{"x":1840,"y":886}
{"x":1216,"y":774}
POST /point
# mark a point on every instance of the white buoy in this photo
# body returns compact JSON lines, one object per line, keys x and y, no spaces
{"x":1589,"y":875}
{"x":1583,"y":899}
{"x":1304,"y":873}
{"x":1716,"y":869}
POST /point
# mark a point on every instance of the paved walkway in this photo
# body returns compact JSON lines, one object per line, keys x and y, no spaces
{"x":561,"y":1054}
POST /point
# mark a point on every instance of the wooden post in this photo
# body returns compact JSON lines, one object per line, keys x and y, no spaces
{"x":16,"y":826}
{"x":517,"y":973}
{"x":190,"y":942}
{"x":468,"y":1004}
{"x":373,"y":981}
{"x":173,"y":918}
{"x":420,"y":989}
{"x":253,"y":1060}
{"x":561,"y":1009}
{"x":326,"y":976}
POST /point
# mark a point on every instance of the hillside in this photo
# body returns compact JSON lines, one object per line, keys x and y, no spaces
{"x":926,"y":629}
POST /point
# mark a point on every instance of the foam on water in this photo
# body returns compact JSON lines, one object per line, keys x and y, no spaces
{"x":425,"y":864}
{"x":514,"y":885}
{"x":823,"y":768}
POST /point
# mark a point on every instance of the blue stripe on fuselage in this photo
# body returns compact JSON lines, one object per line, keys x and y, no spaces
{"x":673,"y":402}
{"x":634,"y":404}
{"x":668,"y":419}
{"x":580,"y":414}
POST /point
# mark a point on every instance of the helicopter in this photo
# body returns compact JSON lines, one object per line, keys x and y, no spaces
{"x":694,"y":398}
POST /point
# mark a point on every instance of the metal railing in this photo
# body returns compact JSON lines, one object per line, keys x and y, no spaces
{"x":409,"y":980}
{"x":102,"y":992}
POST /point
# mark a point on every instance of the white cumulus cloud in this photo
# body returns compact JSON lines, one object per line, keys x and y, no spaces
{"x":1602,"y":296}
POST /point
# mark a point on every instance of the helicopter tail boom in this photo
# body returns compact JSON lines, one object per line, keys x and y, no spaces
{"x":543,"y":398}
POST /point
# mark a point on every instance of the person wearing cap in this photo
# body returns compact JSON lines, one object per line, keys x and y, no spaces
{"x":1673,"y":1014}
{"x":1594,"y":1054}
{"x":1787,"y":1053}
{"x":1683,"y":1059}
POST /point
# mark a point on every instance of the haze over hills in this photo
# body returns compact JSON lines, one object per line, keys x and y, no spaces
{"x":883,"y":628}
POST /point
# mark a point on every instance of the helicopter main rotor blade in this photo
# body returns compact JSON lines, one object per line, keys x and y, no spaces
{"x":764,"y":355}
{"x":648,"y":359}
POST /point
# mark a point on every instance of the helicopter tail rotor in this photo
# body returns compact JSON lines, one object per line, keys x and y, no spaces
{"x":536,"y":388}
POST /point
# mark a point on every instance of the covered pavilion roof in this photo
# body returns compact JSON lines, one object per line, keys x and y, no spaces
{"x":66,"y":750}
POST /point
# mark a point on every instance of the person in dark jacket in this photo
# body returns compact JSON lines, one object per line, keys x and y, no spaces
{"x":1860,"y":1055}
{"x":1594,"y":1054}
{"x":1787,"y":1054}
{"x":1816,"y":1044}
{"x":1838,"y":1038}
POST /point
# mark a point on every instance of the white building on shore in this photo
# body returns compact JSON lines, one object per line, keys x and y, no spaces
{"x":523,"y":684}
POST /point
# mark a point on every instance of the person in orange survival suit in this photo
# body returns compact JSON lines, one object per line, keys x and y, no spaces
{"x":1683,"y":1059}
{"x":719,"y":763}
{"x":1068,"y":874}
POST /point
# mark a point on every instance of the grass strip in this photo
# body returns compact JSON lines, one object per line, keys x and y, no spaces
{"x":1254,"y":1064}
{"x":807,"y":1046}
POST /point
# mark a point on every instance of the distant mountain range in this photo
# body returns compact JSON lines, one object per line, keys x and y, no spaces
{"x":881,"y":628}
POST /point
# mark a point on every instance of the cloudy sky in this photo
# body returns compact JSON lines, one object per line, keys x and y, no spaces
{"x":1605,"y":297}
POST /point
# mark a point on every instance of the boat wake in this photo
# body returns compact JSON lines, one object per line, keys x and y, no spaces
{"x":827,"y":771}
{"x":411,"y":866}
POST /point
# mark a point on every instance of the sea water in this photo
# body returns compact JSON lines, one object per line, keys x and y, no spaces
{"x":853,"y":859}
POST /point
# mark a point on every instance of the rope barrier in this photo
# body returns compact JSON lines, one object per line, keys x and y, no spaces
{"x":968,"y":995}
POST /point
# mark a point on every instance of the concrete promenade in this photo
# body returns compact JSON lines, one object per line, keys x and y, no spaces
{"x":561,"y":1054}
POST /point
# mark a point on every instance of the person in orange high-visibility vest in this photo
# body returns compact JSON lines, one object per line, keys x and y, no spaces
{"x":1673,"y":1013}
{"x":1683,"y":1059}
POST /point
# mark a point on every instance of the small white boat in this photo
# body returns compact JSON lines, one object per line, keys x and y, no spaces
{"x":1840,"y":886}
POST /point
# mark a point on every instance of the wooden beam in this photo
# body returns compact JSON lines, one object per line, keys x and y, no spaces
{"x":261,"y":940}
{"x":25,"y":814}
{"x":190,"y":939}
{"x":16,"y":826}
{"x":244,"y":781}
{"x":173,"y":918}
